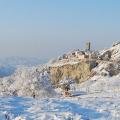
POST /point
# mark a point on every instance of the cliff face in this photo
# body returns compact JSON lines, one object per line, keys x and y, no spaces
{"x":79,"y":72}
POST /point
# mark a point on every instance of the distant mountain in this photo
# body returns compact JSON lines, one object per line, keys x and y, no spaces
{"x":8,"y":65}
{"x":6,"y":70}
{"x":14,"y":61}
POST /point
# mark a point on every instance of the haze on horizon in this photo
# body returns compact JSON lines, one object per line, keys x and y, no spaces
{"x":47,"y":28}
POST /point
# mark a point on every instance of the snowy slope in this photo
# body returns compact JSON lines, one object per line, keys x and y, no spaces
{"x":84,"y":107}
{"x":114,"y":50}
{"x":98,"y":99}
{"x":92,"y":103}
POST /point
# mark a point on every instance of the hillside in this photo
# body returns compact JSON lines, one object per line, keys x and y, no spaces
{"x":95,"y":97}
{"x":78,"y":72}
{"x":81,"y":65}
{"x":75,"y":65}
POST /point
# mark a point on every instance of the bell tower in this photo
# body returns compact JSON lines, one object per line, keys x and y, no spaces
{"x":88,"y":46}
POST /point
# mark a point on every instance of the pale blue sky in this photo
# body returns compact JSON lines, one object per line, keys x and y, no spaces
{"x":47,"y":28}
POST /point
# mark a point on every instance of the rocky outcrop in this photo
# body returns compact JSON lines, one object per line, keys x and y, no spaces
{"x":79,"y":71}
{"x":107,"y":68}
{"x":111,"y":54}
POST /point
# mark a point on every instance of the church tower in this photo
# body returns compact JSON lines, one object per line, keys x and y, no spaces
{"x":88,"y":46}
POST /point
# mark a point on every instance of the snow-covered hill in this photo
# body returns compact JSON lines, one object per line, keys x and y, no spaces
{"x":114,"y":52}
{"x":98,"y":98}
{"x":107,"y":73}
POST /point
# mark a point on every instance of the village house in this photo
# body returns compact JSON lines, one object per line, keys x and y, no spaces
{"x":81,"y":55}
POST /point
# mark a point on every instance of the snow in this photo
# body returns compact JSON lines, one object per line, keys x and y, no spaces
{"x":98,"y":99}
{"x":84,"y":107}
{"x":115,"y":50}
{"x":50,"y":109}
{"x":27,"y":82}
{"x":95,"y":99}
{"x":66,"y":81}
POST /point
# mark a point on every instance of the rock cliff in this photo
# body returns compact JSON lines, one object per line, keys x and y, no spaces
{"x":79,"y":71}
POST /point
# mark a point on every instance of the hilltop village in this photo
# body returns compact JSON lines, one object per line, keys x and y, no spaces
{"x":86,"y":55}
{"x":79,"y":65}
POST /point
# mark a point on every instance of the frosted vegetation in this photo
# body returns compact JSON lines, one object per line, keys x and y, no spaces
{"x":27,"y":82}
{"x":95,"y":99}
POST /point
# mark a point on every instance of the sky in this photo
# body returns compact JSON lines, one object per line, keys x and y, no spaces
{"x":48,"y":28}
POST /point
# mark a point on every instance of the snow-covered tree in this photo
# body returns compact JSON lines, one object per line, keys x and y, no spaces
{"x":28,"y":82}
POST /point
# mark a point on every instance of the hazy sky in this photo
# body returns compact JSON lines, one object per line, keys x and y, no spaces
{"x":47,"y":28}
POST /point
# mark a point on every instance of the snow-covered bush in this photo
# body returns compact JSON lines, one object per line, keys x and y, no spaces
{"x":66,"y":83}
{"x":28,"y":82}
{"x":19,"y":118}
